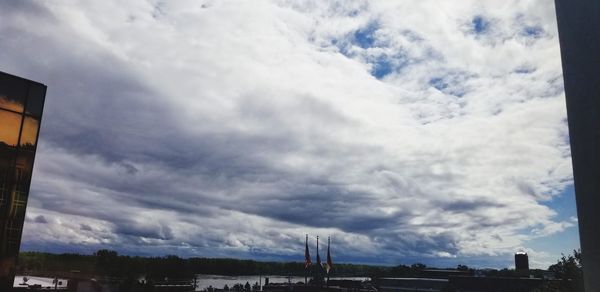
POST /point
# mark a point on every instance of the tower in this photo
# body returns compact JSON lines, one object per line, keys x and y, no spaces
{"x":521,"y":261}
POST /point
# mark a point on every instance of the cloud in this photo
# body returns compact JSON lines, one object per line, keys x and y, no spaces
{"x":40,"y":219}
{"x":227,"y":128}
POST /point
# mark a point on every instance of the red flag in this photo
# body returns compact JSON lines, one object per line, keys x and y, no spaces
{"x":307,"y":261}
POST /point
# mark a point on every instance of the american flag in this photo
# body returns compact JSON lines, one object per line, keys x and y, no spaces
{"x":307,"y":261}
{"x":319,"y":265}
{"x":329,"y":264}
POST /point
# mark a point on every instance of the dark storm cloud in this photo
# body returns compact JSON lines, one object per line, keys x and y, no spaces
{"x":329,"y":207}
{"x":40,"y":219}
{"x":30,"y":8}
{"x":469,"y":205}
{"x":411,"y":244}
{"x":162,"y":232}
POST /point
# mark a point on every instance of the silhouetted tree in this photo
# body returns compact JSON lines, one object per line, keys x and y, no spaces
{"x":401,"y":271}
{"x":417,"y":268}
{"x":107,"y":262}
{"x":568,"y":270}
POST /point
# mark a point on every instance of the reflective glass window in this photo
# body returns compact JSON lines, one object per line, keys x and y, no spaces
{"x":19,"y":202}
{"x":13,"y":92}
{"x":5,"y":188}
{"x":35,"y":101}
{"x":29,"y":133}
{"x":7,"y":162}
{"x":13,"y":234}
{"x":23,"y":170}
{"x":10,"y":124}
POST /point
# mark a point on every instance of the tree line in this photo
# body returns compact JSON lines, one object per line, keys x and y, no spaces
{"x":110,"y":264}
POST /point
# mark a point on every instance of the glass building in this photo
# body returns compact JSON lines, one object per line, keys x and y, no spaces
{"x":21,"y":105}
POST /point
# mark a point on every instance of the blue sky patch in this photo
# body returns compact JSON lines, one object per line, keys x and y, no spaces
{"x":564,"y":204}
{"x":342,"y":46}
{"x":438,"y":83}
{"x":381,"y":68}
{"x":567,"y":240}
{"x":451,"y":84}
{"x":365,"y":37}
{"x":480,"y":24}
{"x":533,"y":31}
{"x":384,"y":65}
{"x":524,"y":70}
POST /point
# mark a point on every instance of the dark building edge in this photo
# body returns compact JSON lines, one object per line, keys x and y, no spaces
{"x":579,"y":35}
{"x":30,"y":84}
{"x":35,"y":147}
{"x":23,"y":78}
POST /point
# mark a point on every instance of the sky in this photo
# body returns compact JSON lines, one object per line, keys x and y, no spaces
{"x":408,"y":131}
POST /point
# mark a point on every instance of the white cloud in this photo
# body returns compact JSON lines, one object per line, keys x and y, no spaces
{"x":236,"y":127}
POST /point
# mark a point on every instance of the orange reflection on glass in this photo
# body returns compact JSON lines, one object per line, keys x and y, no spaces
{"x":12,"y":105}
{"x":22,"y":174}
{"x":10,"y":124}
{"x":29,"y":133}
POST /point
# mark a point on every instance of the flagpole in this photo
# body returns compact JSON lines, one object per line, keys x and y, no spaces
{"x":318,"y":269}
{"x":305,"y":267}
{"x":328,"y":259}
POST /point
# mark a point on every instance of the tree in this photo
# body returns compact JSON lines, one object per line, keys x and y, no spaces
{"x":417,"y":268}
{"x":568,"y":267}
{"x":568,"y":271}
{"x":401,"y":271}
{"x":107,"y":262}
{"x":462,"y":268}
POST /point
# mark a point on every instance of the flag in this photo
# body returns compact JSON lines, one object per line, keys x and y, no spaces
{"x":329,"y":264}
{"x":307,"y":261}
{"x":318,"y":257}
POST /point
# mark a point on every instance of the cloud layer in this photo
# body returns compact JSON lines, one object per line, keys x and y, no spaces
{"x":231,"y":128}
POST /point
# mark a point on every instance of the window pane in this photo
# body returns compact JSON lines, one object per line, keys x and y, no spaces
{"x":12,"y":93}
{"x":35,"y":101}
{"x":14,"y":228}
{"x":22,"y":175}
{"x":7,"y":160}
{"x":29,"y":133}
{"x":10,"y":124}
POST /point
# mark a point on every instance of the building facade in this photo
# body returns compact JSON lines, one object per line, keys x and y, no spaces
{"x":21,"y":106}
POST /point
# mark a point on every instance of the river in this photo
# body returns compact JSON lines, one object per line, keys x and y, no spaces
{"x":217,"y":281}
{"x":203,"y":281}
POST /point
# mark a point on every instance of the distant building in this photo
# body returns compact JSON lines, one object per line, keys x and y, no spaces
{"x":521,"y":261}
{"x":21,"y":105}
